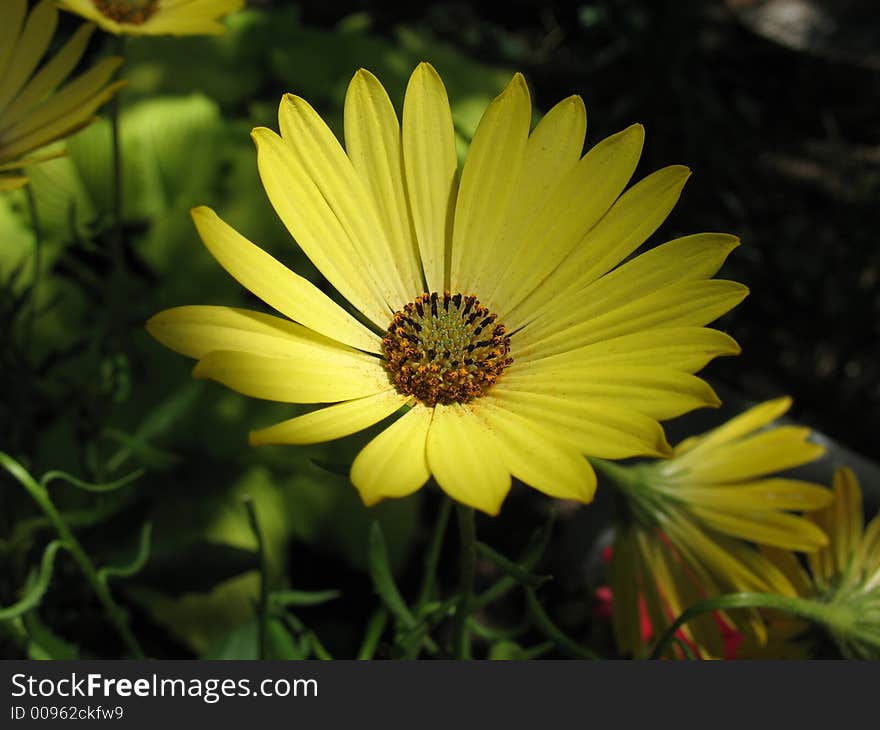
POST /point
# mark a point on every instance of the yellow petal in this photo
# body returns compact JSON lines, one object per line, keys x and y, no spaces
{"x":283,"y":290}
{"x":790,"y":566}
{"x":534,"y":456}
{"x":65,"y":111}
{"x":314,"y":376}
{"x":623,"y":576}
{"x":686,"y":349}
{"x":737,"y":427}
{"x":14,"y":12}
{"x":767,"y":452}
{"x":576,"y":205}
{"x":373,"y":143}
{"x":686,"y":303}
{"x":345,"y":198}
{"x":87,"y":10}
{"x":680,"y":590}
{"x":848,"y":518}
{"x":11,"y":182}
{"x":654,"y":391}
{"x":715,"y":568}
{"x":869,"y":554}
{"x":595,"y":429}
{"x":488,"y":182}
{"x":552,"y":151}
{"x":332,"y":422}
{"x":822,"y":561}
{"x":653,"y":585}
{"x":763,"y":494}
{"x":721,"y":557}
{"x":764,"y":527}
{"x":49,"y":76}
{"x":685,"y":259}
{"x":431,"y":166}
{"x":195,"y":331}
{"x":319,"y":233}
{"x":394,"y":463}
{"x":32,"y":44}
{"x":628,"y":224}
{"x":465,"y":459}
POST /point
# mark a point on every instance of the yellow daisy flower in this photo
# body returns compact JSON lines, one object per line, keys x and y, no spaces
{"x":155,"y":17}
{"x":844,"y":575}
{"x":492,"y":309}
{"x":688,"y":526}
{"x":33,"y":110}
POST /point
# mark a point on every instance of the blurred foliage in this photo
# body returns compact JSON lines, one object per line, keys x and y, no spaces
{"x":784,"y":145}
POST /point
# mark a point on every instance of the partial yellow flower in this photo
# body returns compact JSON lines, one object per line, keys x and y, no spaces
{"x":844,"y":575}
{"x":688,"y":525}
{"x":33,"y":110}
{"x":495,"y":311}
{"x":155,"y":17}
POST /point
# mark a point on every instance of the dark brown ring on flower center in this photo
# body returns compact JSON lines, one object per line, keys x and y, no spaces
{"x":133,"y":12}
{"x":445,"y":349}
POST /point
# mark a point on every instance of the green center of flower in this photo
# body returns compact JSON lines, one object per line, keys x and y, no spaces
{"x":135,"y":12}
{"x":444,"y":348}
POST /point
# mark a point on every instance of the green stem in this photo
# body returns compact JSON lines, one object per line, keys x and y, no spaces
{"x":375,"y":628}
{"x":432,"y":558}
{"x":814,"y":611}
{"x":13,"y":631}
{"x":530,"y":558}
{"x":117,"y":243}
{"x":514,"y":570}
{"x":38,"y":266}
{"x":263,"y":606}
{"x":467,"y":570}
{"x":546,"y":626}
{"x":41,"y":497}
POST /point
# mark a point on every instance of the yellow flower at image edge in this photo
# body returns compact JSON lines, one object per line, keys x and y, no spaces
{"x":155,"y":17}
{"x":33,"y":110}
{"x":843,"y":576}
{"x":689,"y":525}
{"x":498,"y":315}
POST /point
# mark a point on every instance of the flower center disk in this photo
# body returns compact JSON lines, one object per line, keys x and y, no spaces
{"x":135,"y":12}
{"x":444,"y":348}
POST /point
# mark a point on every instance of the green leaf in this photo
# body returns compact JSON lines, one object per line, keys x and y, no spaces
{"x":37,"y":585}
{"x":383,"y":581}
{"x":282,"y":599}
{"x":506,"y":651}
{"x":44,"y":644}
{"x":136,"y":564}
{"x":280,"y":644}
{"x":240,"y":643}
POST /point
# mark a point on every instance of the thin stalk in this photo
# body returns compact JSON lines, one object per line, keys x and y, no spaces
{"x":375,"y":628}
{"x":814,"y":611}
{"x":41,"y":497}
{"x":263,"y":606}
{"x":38,"y":267}
{"x":432,"y":557}
{"x":467,"y":570}
{"x":546,"y":626}
{"x":117,"y":242}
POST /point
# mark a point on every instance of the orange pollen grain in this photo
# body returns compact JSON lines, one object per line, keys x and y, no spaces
{"x":133,"y":12}
{"x":445,"y":348}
